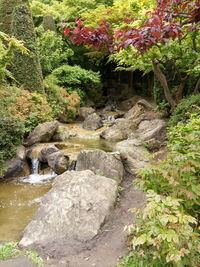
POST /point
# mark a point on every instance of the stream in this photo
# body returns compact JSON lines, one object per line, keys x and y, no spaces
{"x":20,"y":198}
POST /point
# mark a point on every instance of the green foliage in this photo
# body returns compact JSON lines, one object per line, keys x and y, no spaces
{"x":35,"y":258}
{"x":64,"y":103}
{"x":184,"y":109}
{"x":164,"y":234}
{"x":11,"y":135}
{"x":53,"y":52}
{"x":141,"y":260}
{"x":10,"y":250}
{"x":8,"y":45}
{"x":179,"y":174}
{"x":77,"y":78}
{"x":65,"y":9}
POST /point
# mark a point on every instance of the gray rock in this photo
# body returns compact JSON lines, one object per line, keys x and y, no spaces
{"x":62,"y":134}
{"x":16,"y":167}
{"x":84,"y":112}
{"x":149,"y":129}
{"x":92,"y":122}
{"x":42,"y":133}
{"x":129,"y":103}
{"x":134,"y":155}
{"x":120,"y":130}
{"x":58,"y":162}
{"x":100,"y":162}
{"x":74,"y":209}
{"x":46,"y":151}
{"x":21,"y":152}
{"x":139,"y":108}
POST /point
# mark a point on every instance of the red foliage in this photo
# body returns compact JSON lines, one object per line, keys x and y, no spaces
{"x":167,"y":21}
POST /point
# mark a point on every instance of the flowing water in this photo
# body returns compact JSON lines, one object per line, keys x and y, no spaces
{"x":20,"y":198}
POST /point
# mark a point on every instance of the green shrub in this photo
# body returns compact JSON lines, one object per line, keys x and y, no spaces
{"x":75,"y":77}
{"x":184,"y":109}
{"x":11,"y":135}
{"x":179,"y":174}
{"x":64,"y":103}
{"x":8,"y":45}
{"x":163,"y":234}
{"x":52,"y":51}
{"x":9,"y":250}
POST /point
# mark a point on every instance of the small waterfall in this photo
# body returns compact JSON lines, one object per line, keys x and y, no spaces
{"x":111,"y":118}
{"x":35,"y":166}
{"x":35,"y":177}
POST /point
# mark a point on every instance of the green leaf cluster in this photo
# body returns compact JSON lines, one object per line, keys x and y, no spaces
{"x":11,"y":135}
{"x":179,"y":174}
{"x":53,"y":52}
{"x":163,"y":234}
{"x":8,"y":45}
{"x":74,"y":77}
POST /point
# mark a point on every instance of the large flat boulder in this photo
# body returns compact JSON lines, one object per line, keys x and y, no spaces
{"x":73,"y":210}
{"x":108,"y":164}
{"x":134,"y":155}
{"x":42,"y":133}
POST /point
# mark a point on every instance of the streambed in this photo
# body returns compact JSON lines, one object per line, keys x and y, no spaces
{"x":20,"y":198}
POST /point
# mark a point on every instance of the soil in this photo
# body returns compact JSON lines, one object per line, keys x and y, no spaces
{"x":106,"y":249}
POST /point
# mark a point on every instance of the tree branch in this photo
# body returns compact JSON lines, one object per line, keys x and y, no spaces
{"x":163,"y":81}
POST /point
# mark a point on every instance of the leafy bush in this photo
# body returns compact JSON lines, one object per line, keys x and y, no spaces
{"x":8,"y":45}
{"x":31,"y":108}
{"x":11,"y":135}
{"x":64,"y":103}
{"x":163,"y":234}
{"x":53,"y":51}
{"x":77,"y":78}
{"x":11,"y":249}
{"x":179,"y":174}
{"x":184,"y":109}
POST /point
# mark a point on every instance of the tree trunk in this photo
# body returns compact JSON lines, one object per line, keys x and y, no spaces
{"x":197,"y":87}
{"x":179,"y":93}
{"x":163,"y":81}
{"x":150,"y":81}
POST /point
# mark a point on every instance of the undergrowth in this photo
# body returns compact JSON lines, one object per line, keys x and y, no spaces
{"x":11,"y":250}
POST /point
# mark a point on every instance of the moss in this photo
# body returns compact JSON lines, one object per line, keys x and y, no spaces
{"x":26,"y":68}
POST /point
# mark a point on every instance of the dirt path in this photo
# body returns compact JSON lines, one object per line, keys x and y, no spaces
{"x":110,"y":244}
